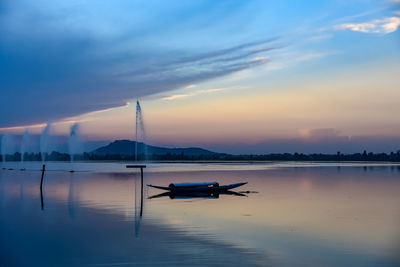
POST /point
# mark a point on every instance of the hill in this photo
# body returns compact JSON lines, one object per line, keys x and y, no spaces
{"x":127,"y":148}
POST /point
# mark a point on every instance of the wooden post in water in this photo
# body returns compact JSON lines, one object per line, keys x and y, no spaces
{"x":41,"y":186}
{"x":141,"y":192}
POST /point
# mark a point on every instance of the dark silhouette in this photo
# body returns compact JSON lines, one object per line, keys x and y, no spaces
{"x":41,"y":186}
{"x":198,"y":154}
{"x":128,"y":148}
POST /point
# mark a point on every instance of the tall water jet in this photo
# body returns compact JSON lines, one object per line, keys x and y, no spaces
{"x":4,"y":143}
{"x":44,"y":142}
{"x":7,"y":147}
{"x":24,"y":146}
{"x":140,"y":130}
{"x":73,"y":142}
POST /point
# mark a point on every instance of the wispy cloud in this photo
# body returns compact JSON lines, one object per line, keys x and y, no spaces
{"x":22,"y":128}
{"x":383,"y":26}
{"x":290,"y":59}
{"x":173,"y":97}
{"x":207,"y":91}
{"x":198,"y":92}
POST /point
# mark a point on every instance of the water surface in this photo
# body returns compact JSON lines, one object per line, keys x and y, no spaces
{"x":287,"y":215}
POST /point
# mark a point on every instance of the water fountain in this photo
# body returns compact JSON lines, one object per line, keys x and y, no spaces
{"x":73,"y":143}
{"x":4,"y":145}
{"x":24,"y":145}
{"x":3,"y":152}
{"x":140,"y":133}
{"x":44,"y":142}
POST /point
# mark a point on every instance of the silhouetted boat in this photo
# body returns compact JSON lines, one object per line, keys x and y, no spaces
{"x":197,"y":187}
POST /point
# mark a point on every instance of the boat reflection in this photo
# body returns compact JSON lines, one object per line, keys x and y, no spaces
{"x":194,"y":194}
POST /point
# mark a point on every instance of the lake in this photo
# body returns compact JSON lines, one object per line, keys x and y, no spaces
{"x":289,"y":214}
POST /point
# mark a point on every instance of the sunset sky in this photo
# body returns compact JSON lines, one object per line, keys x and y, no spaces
{"x":230,"y":76}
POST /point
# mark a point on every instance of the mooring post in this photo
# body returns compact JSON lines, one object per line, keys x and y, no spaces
{"x":41,"y":186}
{"x":41,"y":180}
{"x":141,"y":192}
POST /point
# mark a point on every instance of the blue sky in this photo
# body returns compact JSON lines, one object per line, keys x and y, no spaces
{"x":253,"y":73}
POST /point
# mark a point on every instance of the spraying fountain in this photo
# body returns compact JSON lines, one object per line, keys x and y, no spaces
{"x":73,"y":143}
{"x":44,"y":142}
{"x":140,"y":133}
{"x":24,"y":145}
{"x":4,"y":141}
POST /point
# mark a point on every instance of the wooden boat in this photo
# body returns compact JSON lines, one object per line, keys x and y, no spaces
{"x":197,"y":187}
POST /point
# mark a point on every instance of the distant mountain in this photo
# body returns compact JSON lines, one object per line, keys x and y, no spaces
{"x":127,"y":148}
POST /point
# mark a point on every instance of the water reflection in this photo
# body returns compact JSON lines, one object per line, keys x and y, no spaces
{"x":71,"y":196}
{"x":41,"y":196}
{"x":319,"y":216}
{"x":2,"y":188}
{"x":138,"y":193}
{"x":188,"y":195}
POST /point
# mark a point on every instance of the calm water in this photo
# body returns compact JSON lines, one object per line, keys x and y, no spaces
{"x":287,"y":215}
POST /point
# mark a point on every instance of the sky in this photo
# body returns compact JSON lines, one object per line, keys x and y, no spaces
{"x":230,"y":76}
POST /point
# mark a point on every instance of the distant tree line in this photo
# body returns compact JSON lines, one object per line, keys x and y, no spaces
{"x":57,"y":156}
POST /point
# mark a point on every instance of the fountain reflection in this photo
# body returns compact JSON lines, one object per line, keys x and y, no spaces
{"x":2,"y":188}
{"x":138,"y":207}
{"x":71,"y":197}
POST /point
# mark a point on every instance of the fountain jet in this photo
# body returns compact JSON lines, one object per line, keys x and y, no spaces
{"x":24,"y":145}
{"x":73,"y":143}
{"x":44,"y":142}
{"x":5,"y":140}
{"x":140,"y":133}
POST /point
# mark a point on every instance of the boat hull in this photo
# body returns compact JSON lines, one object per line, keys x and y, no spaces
{"x":201,"y":188}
